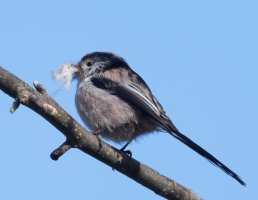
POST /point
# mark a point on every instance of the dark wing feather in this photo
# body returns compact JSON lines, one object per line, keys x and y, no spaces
{"x":132,"y":94}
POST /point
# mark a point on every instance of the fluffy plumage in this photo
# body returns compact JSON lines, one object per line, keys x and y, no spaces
{"x":115,"y":101}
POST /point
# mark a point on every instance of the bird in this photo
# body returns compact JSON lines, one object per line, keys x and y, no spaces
{"x":115,"y":102}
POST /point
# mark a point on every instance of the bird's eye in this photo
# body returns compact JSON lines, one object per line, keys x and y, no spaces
{"x":89,"y":63}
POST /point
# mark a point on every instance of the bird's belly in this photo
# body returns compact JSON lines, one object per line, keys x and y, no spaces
{"x":114,"y":118}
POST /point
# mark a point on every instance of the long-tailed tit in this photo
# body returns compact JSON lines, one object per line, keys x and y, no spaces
{"x":114,"y":101}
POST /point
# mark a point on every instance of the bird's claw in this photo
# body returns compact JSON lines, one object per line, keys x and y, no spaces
{"x":127,"y":152}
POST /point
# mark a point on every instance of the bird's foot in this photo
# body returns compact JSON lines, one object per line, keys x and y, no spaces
{"x":127,"y":152}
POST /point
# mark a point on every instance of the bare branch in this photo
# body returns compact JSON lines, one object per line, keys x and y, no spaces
{"x":56,"y":154}
{"x":78,"y":137}
{"x":15,"y":105}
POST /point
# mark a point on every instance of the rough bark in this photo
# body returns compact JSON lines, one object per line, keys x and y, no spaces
{"x":77,"y":137}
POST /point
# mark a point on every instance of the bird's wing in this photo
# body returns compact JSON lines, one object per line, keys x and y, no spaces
{"x":134,"y":95}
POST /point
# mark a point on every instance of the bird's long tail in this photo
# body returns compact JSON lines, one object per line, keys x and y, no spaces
{"x":174,"y":132}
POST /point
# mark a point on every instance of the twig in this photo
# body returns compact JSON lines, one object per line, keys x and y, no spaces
{"x":78,"y":137}
{"x":15,"y":105}
{"x":56,"y":154}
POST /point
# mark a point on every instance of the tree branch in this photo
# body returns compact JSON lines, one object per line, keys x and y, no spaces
{"x":78,"y":137}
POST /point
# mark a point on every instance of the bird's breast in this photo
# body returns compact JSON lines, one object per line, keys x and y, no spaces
{"x":99,"y":109}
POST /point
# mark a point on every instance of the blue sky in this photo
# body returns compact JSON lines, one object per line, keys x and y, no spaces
{"x":198,"y":57}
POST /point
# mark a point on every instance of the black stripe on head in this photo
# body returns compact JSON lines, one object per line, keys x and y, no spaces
{"x":111,"y":60}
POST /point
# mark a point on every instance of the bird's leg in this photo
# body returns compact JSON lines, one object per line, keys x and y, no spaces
{"x":127,"y":152}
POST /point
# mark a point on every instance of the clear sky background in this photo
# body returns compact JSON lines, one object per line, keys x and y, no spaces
{"x":199,"y":58}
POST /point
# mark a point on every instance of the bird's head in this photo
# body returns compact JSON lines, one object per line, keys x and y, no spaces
{"x":97,"y":62}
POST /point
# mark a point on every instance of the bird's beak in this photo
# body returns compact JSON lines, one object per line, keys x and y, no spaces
{"x":78,"y":73}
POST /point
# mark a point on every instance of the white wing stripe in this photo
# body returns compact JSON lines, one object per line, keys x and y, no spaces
{"x":153,"y":106}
